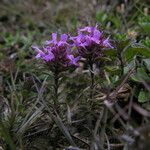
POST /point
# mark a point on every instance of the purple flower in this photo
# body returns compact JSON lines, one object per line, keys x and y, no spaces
{"x":73,"y":60}
{"x":106,"y":43}
{"x":90,"y":42}
{"x":57,"y":53}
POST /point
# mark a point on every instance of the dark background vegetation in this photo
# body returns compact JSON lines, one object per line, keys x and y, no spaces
{"x":26,"y":85}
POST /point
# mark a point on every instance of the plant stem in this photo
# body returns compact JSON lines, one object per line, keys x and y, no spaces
{"x":92,"y":79}
{"x":103,"y":126}
{"x":121,"y":63}
{"x":56,"y":86}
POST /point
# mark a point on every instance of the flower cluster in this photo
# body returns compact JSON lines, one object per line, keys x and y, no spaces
{"x":57,"y":53}
{"x":90,"y":42}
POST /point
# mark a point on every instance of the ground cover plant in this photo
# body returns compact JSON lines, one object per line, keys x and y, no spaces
{"x":74,"y":75}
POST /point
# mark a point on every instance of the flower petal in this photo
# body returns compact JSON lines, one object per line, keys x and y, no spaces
{"x":64,"y":37}
{"x":54,"y":37}
{"x":106,"y":43}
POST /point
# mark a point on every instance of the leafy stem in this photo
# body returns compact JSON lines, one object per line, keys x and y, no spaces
{"x":121,"y":63}
{"x":92,"y":78}
{"x":103,"y":126}
{"x":56,"y":86}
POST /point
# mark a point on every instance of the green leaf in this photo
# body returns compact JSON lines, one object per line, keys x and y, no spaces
{"x":130,"y":52}
{"x":129,"y":66}
{"x":112,"y":69}
{"x":112,"y":53}
{"x":120,"y":37}
{"x":146,"y":42}
{"x":115,"y":21}
{"x":144,"y":51}
{"x":101,"y":17}
{"x":103,"y":59}
{"x":145,"y":26}
{"x":121,"y":45}
{"x":6,"y":135}
{"x":147,"y":63}
{"x":143,"y":96}
{"x":140,"y":76}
